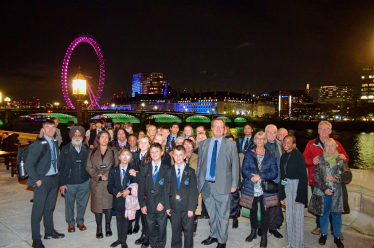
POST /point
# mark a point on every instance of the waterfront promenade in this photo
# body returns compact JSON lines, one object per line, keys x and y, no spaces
{"x":15,"y":230}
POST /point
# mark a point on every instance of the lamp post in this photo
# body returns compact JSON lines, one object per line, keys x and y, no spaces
{"x":7,"y":100}
{"x":79,"y":91}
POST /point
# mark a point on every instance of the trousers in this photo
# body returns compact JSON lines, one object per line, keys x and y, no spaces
{"x":122,"y":226}
{"x":80,"y":193}
{"x":157,"y":229}
{"x":43,"y":205}
{"x":336,"y":218}
{"x":181,"y":220}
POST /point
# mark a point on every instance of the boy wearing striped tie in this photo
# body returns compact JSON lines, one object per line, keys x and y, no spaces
{"x":182,"y":200}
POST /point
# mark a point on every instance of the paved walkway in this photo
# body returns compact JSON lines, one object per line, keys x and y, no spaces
{"x":15,"y":230}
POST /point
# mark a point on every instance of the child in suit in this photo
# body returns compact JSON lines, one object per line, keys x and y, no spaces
{"x":152,"y":196}
{"x":118,"y":181}
{"x":182,"y":200}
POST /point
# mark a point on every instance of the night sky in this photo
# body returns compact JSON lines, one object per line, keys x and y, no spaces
{"x":253,"y":45}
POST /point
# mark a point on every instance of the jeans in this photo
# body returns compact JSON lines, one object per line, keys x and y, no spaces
{"x":336,"y":218}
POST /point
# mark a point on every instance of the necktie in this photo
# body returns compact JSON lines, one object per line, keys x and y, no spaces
{"x":123,"y":175}
{"x":213,"y":161}
{"x":54,"y":159}
{"x":141,"y":156}
{"x":173,"y":140}
{"x":155,"y":175}
{"x":179,"y":178}
{"x":246,"y":144}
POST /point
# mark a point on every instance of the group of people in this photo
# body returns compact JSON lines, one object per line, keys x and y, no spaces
{"x":153,"y":176}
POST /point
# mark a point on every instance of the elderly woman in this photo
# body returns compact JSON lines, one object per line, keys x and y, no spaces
{"x":330,"y":194}
{"x":252,"y":193}
{"x":121,"y":140}
{"x":293,"y":190}
{"x":100,"y":160}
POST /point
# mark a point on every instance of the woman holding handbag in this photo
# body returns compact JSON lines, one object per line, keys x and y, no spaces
{"x":259,"y":166}
{"x":100,"y":160}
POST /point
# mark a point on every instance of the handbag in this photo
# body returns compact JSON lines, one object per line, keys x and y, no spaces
{"x":268,"y":186}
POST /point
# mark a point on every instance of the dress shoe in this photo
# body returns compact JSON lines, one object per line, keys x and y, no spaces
{"x":81,"y":227}
{"x":209,"y":241}
{"x":316,"y":231}
{"x":276,"y":234}
{"x":38,"y":244}
{"x":264,"y":241}
{"x":221,"y":245}
{"x":235,"y":223}
{"x":108,"y":231}
{"x":322,"y":239}
{"x":129,"y":230}
{"x":71,"y":228}
{"x":145,"y":242}
{"x":251,"y":236}
{"x":338,"y":243}
{"x":259,"y":232}
{"x":99,"y":232}
{"x":136,"y":229}
{"x":54,"y":235}
{"x":115,"y":244}
{"x":140,"y":240}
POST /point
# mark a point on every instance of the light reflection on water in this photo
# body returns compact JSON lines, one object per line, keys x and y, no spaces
{"x":359,"y":146}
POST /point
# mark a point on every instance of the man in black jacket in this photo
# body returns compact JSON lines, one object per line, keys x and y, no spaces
{"x":74,"y":179}
{"x":182,"y":200}
{"x":246,"y":142}
{"x":66,"y":136}
{"x":42,"y":167}
{"x":94,"y":132}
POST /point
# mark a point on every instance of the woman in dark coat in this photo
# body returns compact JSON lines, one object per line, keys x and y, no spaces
{"x":121,"y":140}
{"x":293,"y":190}
{"x":252,"y":192}
{"x":330,"y":193}
{"x":100,"y":160}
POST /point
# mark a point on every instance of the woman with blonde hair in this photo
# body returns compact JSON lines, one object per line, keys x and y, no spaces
{"x":199,"y":138}
{"x":187,"y":131}
{"x":151,"y":132}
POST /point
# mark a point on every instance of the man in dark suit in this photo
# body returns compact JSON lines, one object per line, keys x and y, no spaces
{"x":118,"y":181}
{"x":246,"y":142}
{"x":152,"y":196}
{"x":65,"y":136}
{"x":218,"y":162}
{"x":183,"y":196}
{"x":42,"y":166}
{"x":94,"y":132}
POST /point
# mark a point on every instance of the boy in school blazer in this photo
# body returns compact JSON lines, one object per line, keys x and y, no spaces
{"x":118,"y":180}
{"x":182,"y":202}
{"x":152,"y":196}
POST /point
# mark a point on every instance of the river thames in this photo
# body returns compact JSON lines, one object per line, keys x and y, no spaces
{"x":359,"y":146}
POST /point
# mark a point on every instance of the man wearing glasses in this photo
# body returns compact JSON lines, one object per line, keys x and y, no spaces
{"x":217,"y":177}
{"x":312,"y":151}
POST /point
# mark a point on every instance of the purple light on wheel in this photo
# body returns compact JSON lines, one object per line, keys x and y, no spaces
{"x":90,"y":40}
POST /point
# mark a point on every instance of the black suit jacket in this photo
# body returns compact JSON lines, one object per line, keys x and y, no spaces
{"x":188,"y":190}
{"x":239,"y":144}
{"x":114,"y":186}
{"x":39,"y":160}
{"x":166,"y":159}
{"x":65,"y":137}
{"x":159,"y":195}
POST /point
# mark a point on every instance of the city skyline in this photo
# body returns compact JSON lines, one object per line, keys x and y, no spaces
{"x":259,"y":47}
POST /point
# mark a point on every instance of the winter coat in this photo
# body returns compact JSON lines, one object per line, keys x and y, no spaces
{"x":342,"y":175}
{"x":313,"y":149}
{"x":100,"y":197}
{"x":269,"y":171}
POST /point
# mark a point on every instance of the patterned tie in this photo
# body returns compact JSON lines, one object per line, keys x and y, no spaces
{"x":155,"y":173}
{"x":213,"y":162}
{"x":179,"y":178}
{"x":246,"y":144}
{"x":123,"y":175}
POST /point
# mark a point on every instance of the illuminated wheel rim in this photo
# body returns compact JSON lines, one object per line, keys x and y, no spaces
{"x":90,"y":40}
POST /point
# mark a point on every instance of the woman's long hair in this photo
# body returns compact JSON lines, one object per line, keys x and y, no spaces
{"x":97,"y":141}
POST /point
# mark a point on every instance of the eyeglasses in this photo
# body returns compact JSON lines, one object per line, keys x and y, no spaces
{"x":143,"y":143}
{"x":219,"y":127}
{"x":324,"y":128}
{"x":125,"y":156}
{"x":272,"y":132}
{"x":187,"y":145}
{"x":260,"y":138}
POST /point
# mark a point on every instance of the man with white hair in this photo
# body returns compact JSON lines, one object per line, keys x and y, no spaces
{"x":275,"y":147}
{"x":74,"y":179}
{"x":312,"y":151}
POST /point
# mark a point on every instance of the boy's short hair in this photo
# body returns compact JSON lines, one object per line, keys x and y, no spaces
{"x":156,"y":145}
{"x":173,"y":124}
{"x":179,"y":148}
{"x":49,"y":122}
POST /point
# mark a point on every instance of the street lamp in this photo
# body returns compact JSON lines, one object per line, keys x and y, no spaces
{"x":56,"y":104}
{"x":7,"y":100}
{"x":113,"y":105}
{"x":143,"y":104}
{"x":79,"y":91}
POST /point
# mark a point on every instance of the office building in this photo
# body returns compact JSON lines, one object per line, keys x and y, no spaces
{"x":336,"y":93}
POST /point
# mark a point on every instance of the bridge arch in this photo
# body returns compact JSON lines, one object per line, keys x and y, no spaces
{"x":240,"y":120}
{"x":118,"y":117}
{"x":198,"y":119}
{"x":165,"y":118}
{"x":227,"y":119}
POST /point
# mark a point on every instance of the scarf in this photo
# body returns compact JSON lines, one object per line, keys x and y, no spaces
{"x":332,"y":162}
{"x":122,"y":144}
